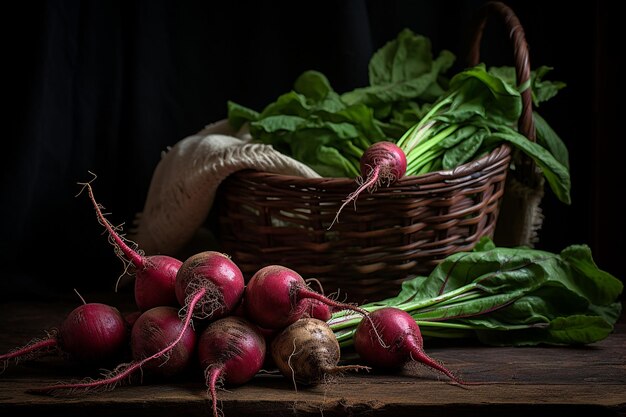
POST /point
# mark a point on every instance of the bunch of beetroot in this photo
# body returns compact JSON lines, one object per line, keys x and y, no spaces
{"x":203,"y":306}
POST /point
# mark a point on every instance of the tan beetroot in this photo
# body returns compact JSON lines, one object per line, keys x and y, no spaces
{"x":307,"y":352}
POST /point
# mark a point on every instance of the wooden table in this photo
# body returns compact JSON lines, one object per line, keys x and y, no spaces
{"x":529,"y":382}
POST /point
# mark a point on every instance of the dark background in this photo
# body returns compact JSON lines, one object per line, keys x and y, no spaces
{"x":106,"y":86}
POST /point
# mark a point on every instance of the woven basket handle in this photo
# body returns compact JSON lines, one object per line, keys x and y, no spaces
{"x":520,"y":50}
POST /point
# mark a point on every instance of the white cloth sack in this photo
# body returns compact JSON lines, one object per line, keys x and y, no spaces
{"x":184,"y":183}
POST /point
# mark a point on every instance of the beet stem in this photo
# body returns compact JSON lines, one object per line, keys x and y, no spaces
{"x":372,"y":179}
{"x":417,"y":354}
{"x":306,"y":293}
{"x":116,"y":377}
{"x":35,"y":346}
{"x":295,"y":351}
{"x":342,"y":368}
{"x":211,"y":380}
{"x":131,"y":254}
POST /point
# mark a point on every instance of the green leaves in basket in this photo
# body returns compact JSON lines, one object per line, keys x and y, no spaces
{"x":555,"y":173}
{"x":549,"y":139}
{"x":313,"y":125}
{"x":542,"y":90}
{"x":403,"y":69}
{"x":438,"y":123}
{"x":508,"y":296}
{"x":489,"y":104}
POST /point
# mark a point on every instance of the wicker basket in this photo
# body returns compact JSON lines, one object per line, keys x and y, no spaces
{"x":394,"y":233}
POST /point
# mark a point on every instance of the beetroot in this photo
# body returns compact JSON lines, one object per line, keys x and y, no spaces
{"x":92,"y":333}
{"x":308,"y":352}
{"x":231,"y":350}
{"x":218,"y":277}
{"x":402,"y":342}
{"x":153,"y":331}
{"x":277,"y":296}
{"x":165,"y":338}
{"x":382,"y":163}
{"x":155,"y":275}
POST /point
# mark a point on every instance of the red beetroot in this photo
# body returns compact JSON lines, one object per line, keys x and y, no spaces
{"x":231,"y":350}
{"x":402,"y":342}
{"x":316,"y":309}
{"x":175,"y":333}
{"x":155,"y":275}
{"x":382,"y":163}
{"x":220,"y":279}
{"x":131,"y":318}
{"x":277,"y":296}
{"x":153,"y":331}
{"x":92,"y":333}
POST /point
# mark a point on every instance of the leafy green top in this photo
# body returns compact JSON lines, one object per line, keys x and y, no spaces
{"x":508,"y":296}
{"x":439,"y":123}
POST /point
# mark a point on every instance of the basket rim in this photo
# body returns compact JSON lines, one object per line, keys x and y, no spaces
{"x":493,"y":160}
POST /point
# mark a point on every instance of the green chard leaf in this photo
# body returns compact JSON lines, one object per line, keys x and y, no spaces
{"x":403,"y":69}
{"x":549,"y":139}
{"x":599,"y":286}
{"x":492,"y":272}
{"x":406,"y":57}
{"x":484,"y":244}
{"x":555,"y":173}
{"x":278,"y":123}
{"x":509,"y":296}
{"x":238,"y":115}
{"x":542,"y":90}
{"x":326,"y":160}
{"x":483,"y":94}
{"x":458,"y":136}
{"x":314,"y":85}
{"x":570,"y":330}
{"x":464,"y":151}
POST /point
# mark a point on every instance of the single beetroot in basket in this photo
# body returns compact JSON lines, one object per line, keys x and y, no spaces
{"x":277,"y":296}
{"x":382,"y":163}
{"x":91,"y":333}
{"x":154,"y":275}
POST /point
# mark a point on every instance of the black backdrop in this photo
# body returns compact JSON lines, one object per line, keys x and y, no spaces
{"x":106,"y":86}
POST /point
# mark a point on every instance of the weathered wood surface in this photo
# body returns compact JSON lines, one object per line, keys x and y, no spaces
{"x":535,"y":381}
